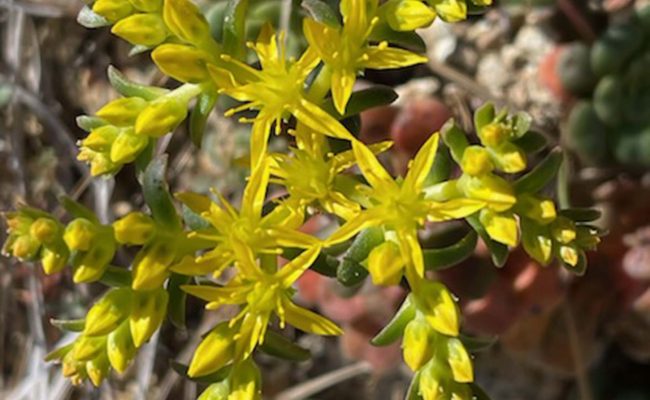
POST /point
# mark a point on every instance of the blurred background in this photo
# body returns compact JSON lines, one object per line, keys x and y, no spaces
{"x":581,"y":68}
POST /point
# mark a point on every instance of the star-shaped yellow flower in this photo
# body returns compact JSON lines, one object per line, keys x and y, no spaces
{"x":277,"y":90}
{"x":247,"y":228}
{"x":262,"y":294}
{"x":400,"y":206}
{"x":346,"y":51}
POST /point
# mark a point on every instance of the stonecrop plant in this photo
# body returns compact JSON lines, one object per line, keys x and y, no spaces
{"x":248,"y":255}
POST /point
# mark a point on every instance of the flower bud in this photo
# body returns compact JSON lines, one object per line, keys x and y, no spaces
{"x":101,"y":139}
{"x":45,"y":230}
{"x":135,"y":228}
{"x":432,"y":380}
{"x":147,"y":6}
{"x":493,"y":135}
{"x":494,"y":190}
{"x":435,"y":302}
{"x":113,"y":10}
{"x":98,"y":368}
{"x":214,"y":352}
{"x":501,"y":227}
{"x":185,"y":20}
{"x":476,"y":161}
{"x":216,"y":391}
{"x":541,"y":211}
{"x":181,"y":62}
{"x":80,"y":234}
{"x":160,"y":117}
{"x":385,"y":264}
{"x":141,"y":29}
{"x":127,"y":147}
{"x":245,"y":381}
{"x":54,"y":258}
{"x":122,"y":111}
{"x":570,"y":255}
{"x":147,"y":314}
{"x":87,"y":348}
{"x":459,"y":360}
{"x":450,"y":11}
{"x":90,"y":266}
{"x":536,"y":242}
{"x":24,"y":247}
{"x":510,"y":158}
{"x":151,"y":263}
{"x":418,"y":344}
{"x":120,"y":347}
{"x":564,"y":230}
{"x":109,"y":312}
{"x":407,"y":15}
{"x":100,"y":163}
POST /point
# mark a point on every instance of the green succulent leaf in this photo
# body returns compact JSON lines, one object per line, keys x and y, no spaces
{"x":321,"y":12}
{"x":127,"y":88}
{"x":541,"y":175}
{"x":363,"y":100}
{"x":177,"y":299}
{"x":156,"y":194}
{"x":395,"y":328}
{"x":199,"y":116}
{"x":438,"y":259}
{"x":69,"y":325}
{"x":279,"y":346}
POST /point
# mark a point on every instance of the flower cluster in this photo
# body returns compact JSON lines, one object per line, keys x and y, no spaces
{"x":250,"y":256}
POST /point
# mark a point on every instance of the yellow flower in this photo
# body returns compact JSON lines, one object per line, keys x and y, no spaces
{"x":400,"y":206}
{"x":263,"y":293}
{"x":276,"y":90}
{"x":312,"y":174}
{"x":346,"y":51}
{"x":247,"y":228}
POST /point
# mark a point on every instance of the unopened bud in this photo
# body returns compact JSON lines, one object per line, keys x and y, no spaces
{"x":214,"y":352}
{"x":113,"y":10}
{"x":141,"y":29}
{"x":135,"y":228}
{"x":160,"y":117}
{"x":80,"y":234}
{"x":109,"y":312}
{"x":181,"y":62}
{"x":45,"y":230}
{"x":127,"y":146}
{"x":122,"y":111}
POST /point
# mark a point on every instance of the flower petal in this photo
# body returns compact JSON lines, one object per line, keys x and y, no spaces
{"x":384,"y":57}
{"x":411,"y":250}
{"x":372,"y":170}
{"x":259,"y":138}
{"x":255,"y":192}
{"x":295,"y":268}
{"x":420,"y":166}
{"x":315,"y":118}
{"x":308,"y":321}
{"x":342,"y":84}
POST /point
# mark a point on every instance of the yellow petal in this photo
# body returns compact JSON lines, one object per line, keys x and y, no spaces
{"x":251,"y":333}
{"x":351,"y":228}
{"x":259,"y":138}
{"x":420,"y":166}
{"x":371,"y":169}
{"x":411,"y":250}
{"x":148,"y":311}
{"x":342,"y":84}
{"x":315,"y":118}
{"x":454,"y":209}
{"x":246,"y":260}
{"x":308,"y":321}
{"x":322,"y":38}
{"x":255,"y":191}
{"x":419,"y":343}
{"x":384,"y":57}
{"x":224,"y":295}
{"x":296,"y":267}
